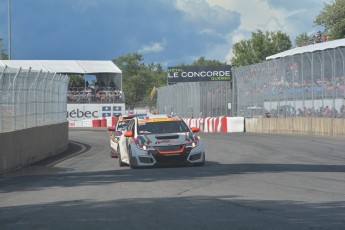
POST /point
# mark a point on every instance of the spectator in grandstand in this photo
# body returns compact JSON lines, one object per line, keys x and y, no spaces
{"x":327,"y":112}
{"x":112,"y":85}
{"x":97,"y":88}
{"x":318,"y":37}
{"x":342,"y":111}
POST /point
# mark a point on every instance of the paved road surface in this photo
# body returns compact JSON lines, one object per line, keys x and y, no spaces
{"x":249,"y":182}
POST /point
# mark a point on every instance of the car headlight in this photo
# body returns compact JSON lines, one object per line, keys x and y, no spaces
{"x":194,"y":143}
{"x":146,"y":148}
{"x":142,"y":147}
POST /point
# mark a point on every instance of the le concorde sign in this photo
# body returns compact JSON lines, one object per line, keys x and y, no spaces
{"x":199,"y":73}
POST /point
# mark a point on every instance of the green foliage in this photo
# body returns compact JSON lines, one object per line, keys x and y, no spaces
{"x":302,"y":39}
{"x":203,"y":62}
{"x":139,"y":78}
{"x":4,"y":56}
{"x":76,"y":81}
{"x":332,"y":17}
{"x":260,"y":46}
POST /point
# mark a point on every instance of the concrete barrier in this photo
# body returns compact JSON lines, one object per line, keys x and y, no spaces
{"x":297,"y":125}
{"x":24,"y":147}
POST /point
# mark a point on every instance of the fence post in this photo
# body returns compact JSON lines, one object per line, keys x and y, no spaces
{"x":26,"y":100}
{"x":1,"y":95}
{"x":14,"y":118}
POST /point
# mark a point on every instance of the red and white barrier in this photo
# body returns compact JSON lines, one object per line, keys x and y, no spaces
{"x":221,"y":124}
{"x":217,"y":124}
{"x":102,"y":122}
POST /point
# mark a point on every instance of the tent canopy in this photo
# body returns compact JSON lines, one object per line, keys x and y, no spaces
{"x":309,"y":48}
{"x":64,"y":66}
{"x":104,"y":71}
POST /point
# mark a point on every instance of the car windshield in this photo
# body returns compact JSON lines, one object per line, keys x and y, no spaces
{"x":162,"y":127}
{"x":122,"y":125}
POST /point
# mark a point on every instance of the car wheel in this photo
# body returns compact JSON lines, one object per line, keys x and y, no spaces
{"x":121,"y":164}
{"x":201,"y":163}
{"x":131,"y":162}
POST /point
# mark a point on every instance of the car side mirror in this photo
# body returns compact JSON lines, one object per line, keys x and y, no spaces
{"x":111,"y":128}
{"x":195,"y":129}
{"x":129,"y":134}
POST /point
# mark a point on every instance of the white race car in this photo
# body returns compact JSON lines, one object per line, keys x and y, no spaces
{"x":159,"y":140}
{"x":117,"y":130}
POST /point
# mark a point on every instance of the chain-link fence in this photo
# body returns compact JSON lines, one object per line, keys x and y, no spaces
{"x":196,"y":99}
{"x":308,"y":84}
{"x":31,"y":99}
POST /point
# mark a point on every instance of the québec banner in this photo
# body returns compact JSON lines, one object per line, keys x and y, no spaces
{"x":199,"y":73}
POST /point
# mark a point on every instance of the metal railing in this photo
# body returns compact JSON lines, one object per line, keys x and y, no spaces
{"x":30,"y":99}
{"x":306,"y":85}
{"x":196,"y":99}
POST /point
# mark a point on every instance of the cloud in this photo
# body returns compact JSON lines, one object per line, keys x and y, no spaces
{"x":153,"y":47}
{"x":167,"y":31}
{"x":204,"y":16}
{"x":291,"y":17}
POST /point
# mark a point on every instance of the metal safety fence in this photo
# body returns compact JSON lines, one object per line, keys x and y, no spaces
{"x":196,"y":99}
{"x":305,"y":85}
{"x":31,"y":98}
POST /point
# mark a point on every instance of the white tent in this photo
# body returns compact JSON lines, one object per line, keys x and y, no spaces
{"x":105,"y":71}
{"x":309,"y":48}
{"x":64,"y":66}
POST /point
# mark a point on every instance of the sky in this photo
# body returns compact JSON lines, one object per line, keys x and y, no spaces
{"x":168,"y":32}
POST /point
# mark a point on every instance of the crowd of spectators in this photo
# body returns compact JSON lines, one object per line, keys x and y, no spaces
{"x":319,"y":37}
{"x":326,"y":112}
{"x":97,"y":93}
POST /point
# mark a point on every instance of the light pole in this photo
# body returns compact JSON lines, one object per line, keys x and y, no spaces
{"x":9,"y":29}
{"x":0,"y":48}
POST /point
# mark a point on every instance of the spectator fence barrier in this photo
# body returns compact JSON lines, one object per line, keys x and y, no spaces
{"x":31,"y":98}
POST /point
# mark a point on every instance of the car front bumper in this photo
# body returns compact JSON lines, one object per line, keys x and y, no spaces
{"x":188,"y":156}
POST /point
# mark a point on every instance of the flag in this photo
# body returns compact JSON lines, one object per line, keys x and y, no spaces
{"x":153,"y":92}
{"x":116,"y":108}
{"x":106,"y":108}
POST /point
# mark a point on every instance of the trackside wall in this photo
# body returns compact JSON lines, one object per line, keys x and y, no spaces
{"x":297,"y":125}
{"x":23,"y":147}
{"x":33,"y":123}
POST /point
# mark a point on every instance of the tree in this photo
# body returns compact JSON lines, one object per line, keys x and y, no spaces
{"x":332,"y":17}
{"x":139,"y":78}
{"x":4,"y":56}
{"x":302,"y":39}
{"x":203,"y":62}
{"x":260,"y":46}
{"x":76,"y":81}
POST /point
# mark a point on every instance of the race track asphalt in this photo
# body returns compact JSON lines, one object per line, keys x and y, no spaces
{"x":249,"y":181}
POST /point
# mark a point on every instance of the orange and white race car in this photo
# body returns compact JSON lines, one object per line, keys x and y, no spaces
{"x":117,"y":130}
{"x":159,"y":140}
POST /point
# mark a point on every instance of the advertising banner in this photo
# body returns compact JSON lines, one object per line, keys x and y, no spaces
{"x":79,"y":112}
{"x":199,"y":73}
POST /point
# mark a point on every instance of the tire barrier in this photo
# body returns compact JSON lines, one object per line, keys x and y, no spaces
{"x":103,"y":122}
{"x":96,"y":123}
